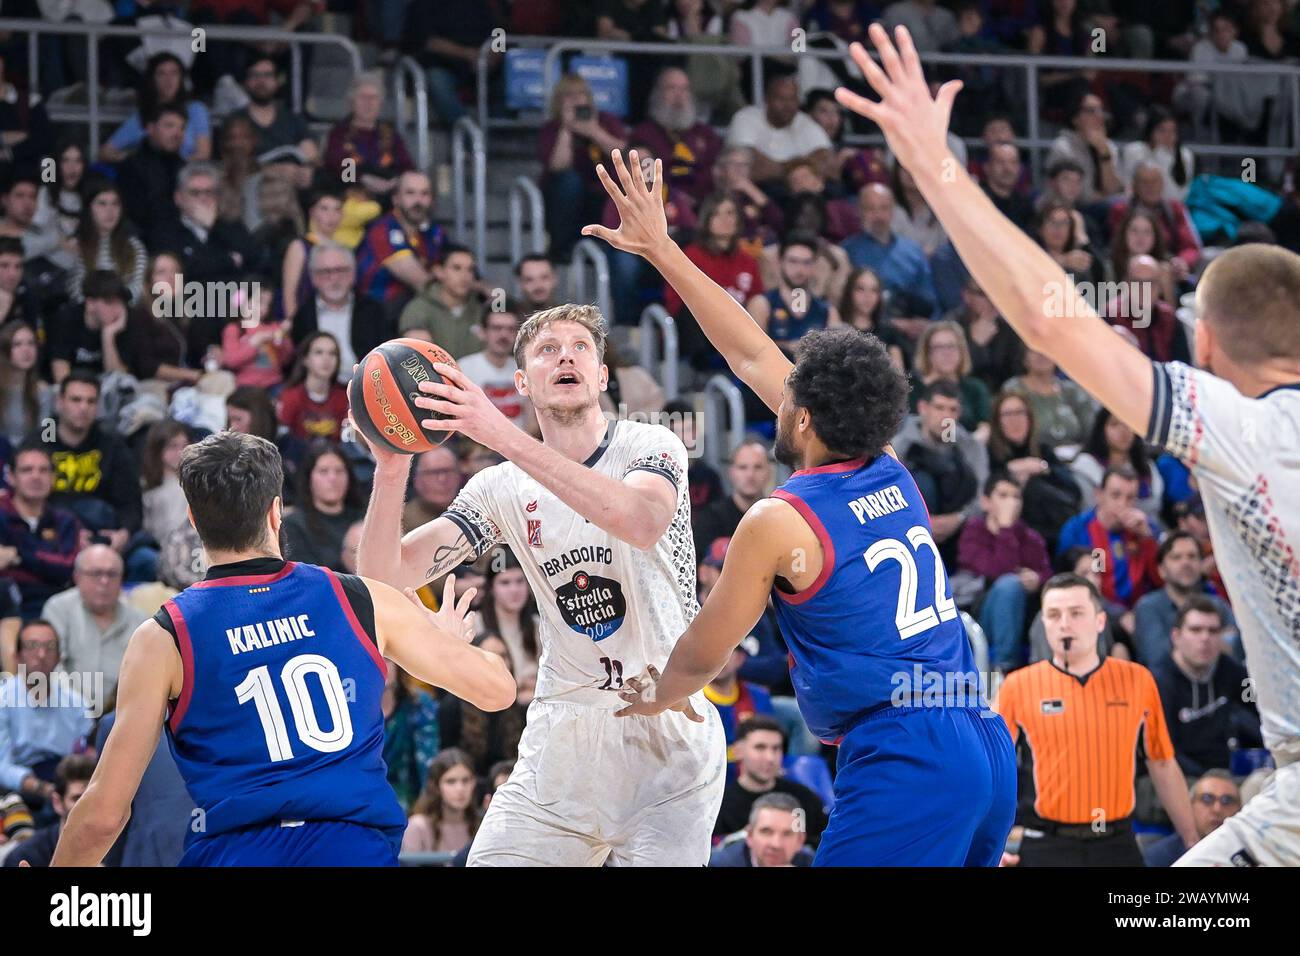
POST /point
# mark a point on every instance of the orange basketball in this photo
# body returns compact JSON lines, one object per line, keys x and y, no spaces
{"x":383,"y":391}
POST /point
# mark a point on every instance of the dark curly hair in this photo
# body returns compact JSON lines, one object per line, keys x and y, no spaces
{"x":855,"y":395}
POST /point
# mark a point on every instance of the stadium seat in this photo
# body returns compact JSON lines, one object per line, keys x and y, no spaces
{"x":812,"y":772}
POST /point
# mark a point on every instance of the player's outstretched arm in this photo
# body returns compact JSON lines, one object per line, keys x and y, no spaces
{"x":1171,"y":787}
{"x":643,"y":230}
{"x":150,"y":677}
{"x":435,"y":647}
{"x":733,"y":608}
{"x":1020,"y":278}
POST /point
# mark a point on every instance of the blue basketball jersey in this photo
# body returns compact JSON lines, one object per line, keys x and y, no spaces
{"x":783,"y":325}
{"x":878,"y":627}
{"x":280,"y":717}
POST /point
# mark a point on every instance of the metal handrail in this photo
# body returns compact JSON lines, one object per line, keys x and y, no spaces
{"x":591,"y":251}
{"x":523,"y":188}
{"x":407,"y":67}
{"x":463,"y":129}
{"x":720,"y":388}
{"x":653,"y":316}
{"x":94,"y":32}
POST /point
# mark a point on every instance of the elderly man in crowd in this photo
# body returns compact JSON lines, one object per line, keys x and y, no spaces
{"x":688,"y":147}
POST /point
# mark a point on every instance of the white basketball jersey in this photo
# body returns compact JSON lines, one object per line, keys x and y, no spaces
{"x":1245,"y":454}
{"x":608,"y":610}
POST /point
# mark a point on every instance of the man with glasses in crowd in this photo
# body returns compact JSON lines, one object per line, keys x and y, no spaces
{"x":357,"y":322}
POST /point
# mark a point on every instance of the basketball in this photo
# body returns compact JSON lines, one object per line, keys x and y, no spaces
{"x":383,"y":391}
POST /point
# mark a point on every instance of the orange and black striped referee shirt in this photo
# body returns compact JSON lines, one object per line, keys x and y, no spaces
{"x":1082,"y":733}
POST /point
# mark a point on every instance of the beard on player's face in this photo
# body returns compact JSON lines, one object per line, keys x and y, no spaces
{"x":784,"y":449}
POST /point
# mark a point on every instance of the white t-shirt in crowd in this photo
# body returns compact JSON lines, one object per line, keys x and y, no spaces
{"x":749,"y":127}
{"x":497,"y":382}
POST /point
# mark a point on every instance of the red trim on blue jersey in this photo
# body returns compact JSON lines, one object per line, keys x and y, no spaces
{"x":247,"y":578}
{"x":836,"y":468}
{"x":819,"y":529}
{"x":357,"y":629}
{"x":187,"y":665}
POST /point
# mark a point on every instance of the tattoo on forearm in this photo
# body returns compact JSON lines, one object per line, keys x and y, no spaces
{"x":447,"y":556}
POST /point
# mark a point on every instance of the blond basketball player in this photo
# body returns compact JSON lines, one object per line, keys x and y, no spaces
{"x":598,"y":514}
{"x":1234,"y":420}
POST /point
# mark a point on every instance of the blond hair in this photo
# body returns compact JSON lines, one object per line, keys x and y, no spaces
{"x":588,"y":316}
{"x":922,"y":360}
{"x":568,"y":83}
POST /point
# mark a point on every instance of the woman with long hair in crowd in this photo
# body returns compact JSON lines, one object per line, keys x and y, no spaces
{"x":313,"y":403}
{"x":1162,"y":144}
{"x":323,"y":203}
{"x":165,"y":508}
{"x":1139,"y":235}
{"x":1048,"y":489}
{"x":996,"y":351}
{"x":508,"y":609}
{"x":328,"y":503}
{"x":1054,"y":228}
{"x":59,"y":203}
{"x":486,"y":737}
{"x":27,"y":399}
{"x":163,"y":81}
{"x":447,"y":815}
{"x":178,"y":344}
{"x":862,"y":306}
{"x":942,"y":353}
{"x":104,"y":241}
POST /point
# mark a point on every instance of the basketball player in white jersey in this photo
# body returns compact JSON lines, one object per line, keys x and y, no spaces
{"x":598,"y":514}
{"x":1234,"y":420}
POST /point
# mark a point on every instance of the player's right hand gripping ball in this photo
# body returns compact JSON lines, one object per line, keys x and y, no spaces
{"x":383,"y":391}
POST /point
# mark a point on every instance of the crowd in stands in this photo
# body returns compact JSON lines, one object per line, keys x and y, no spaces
{"x":224,"y":260}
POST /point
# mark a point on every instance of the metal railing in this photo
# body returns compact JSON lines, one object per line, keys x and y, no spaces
{"x":408,"y":68}
{"x":466,"y":129}
{"x":657,"y":323}
{"x":1030,"y":66}
{"x":722,"y":402}
{"x":591,"y":251}
{"x":94,"y":33}
{"x":521,"y":190}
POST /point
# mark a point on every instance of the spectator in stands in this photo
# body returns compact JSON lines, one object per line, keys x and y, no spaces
{"x":862,"y":306}
{"x":486,"y":737}
{"x":760,"y":751}
{"x":251,"y":412}
{"x":942,"y":355}
{"x":446,"y":816}
{"x":211,"y":250}
{"x":1087,"y":144}
{"x":845,"y":19}
{"x":1057,"y":231}
{"x":912,"y":217}
{"x":774,"y":836}
{"x":170,"y":343}
{"x":18,"y":300}
{"x":998,"y":129}
{"x":91,"y":336}
{"x":1065,"y":185}
{"x":1139,"y":235}
{"x":1078,"y":812}
{"x":1179,"y":558}
{"x":1168,"y":214}
{"x":749,"y":472}
{"x":255,"y":346}
{"x":279,"y":221}
{"x":900,"y":262}
{"x":396,"y":257}
{"x":448,"y":311}
{"x":1207,"y":695}
{"x":94,"y":621}
{"x":1215,"y":797}
{"x":1051,"y":496}
{"x":165,"y":508}
{"x":996,"y":352}
{"x":848,"y":168}
{"x":1061,"y":31}
{"x":1063,"y":411}
{"x":25,"y":396}
{"x":949,"y":464}
{"x":1141,"y":310}
{"x":672,"y":129}
{"x":1116,"y":637}
{"x":931,"y":25}
{"x":279,"y":130}
{"x":1269,"y":36}
{"x":493,"y":368}
{"x":147,"y":179}
{"x":70,"y":780}
{"x":240,"y":177}
{"x":763,"y":23}
{"x":26,"y":134}
{"x":1236,"y":101}
{"x":435,"y":479}
{"x":778,"y":134}
{"x":38,"y":542}
{"x":1012,"y":560}
{"x":704,"y":482}
{"x":314,"y":403}
{"x":760,"y":217}
{"x":59,"y":203}
{"x":329,"y":502}
{"x":790,"y":310}
{"x":1122,"y":532}
{"x":163,"y":81}
{"x":104,"y":241}
{"x":737,"y":700}
{"x":575,"y":137}
{"x":411,"y":738}
{"x":39,"y":725}
{"x":1111,"y":444}
{"x":806,"y":212}
{"x":508,"y":610}
{"x":631,"y":390}
{"x":537,"y":280}
{"x":445,"y":41}
{"x":323,"y":204}
{"x":1000,"y":181}
{"x":361,"y":144}
{"x":1161,"y":144}
{"x":44,"y":248}
{"x":357,"y":322}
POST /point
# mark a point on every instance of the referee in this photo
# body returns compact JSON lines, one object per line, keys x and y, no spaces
{"x":1078,"y":719}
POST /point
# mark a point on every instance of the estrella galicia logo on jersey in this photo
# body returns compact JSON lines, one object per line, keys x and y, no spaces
{"x":1056,"y":706}
{"x":535,"y":532}
{"x":592,"y":605}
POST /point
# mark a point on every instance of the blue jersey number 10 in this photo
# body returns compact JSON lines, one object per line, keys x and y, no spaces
{"x":258,"y":688}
